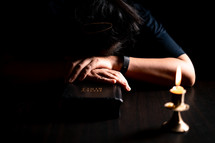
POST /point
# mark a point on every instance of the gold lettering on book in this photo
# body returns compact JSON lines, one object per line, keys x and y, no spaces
{"x":91,"y":89}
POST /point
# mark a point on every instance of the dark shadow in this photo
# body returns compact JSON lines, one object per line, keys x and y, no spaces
{"x":43,"y":110}
{"x":148,"y":134}
{"x":43,"y":103}
{"x":30,"y":118}
{"x":145,"y":86}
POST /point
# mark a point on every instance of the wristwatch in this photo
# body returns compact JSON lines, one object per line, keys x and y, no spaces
{"x":125,"y":65}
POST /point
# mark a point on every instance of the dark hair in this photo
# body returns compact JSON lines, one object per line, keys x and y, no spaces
{"x":122,"y":18}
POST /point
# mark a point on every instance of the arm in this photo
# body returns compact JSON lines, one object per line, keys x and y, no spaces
{"x":154,"y":70}
{"x":161,"y":70}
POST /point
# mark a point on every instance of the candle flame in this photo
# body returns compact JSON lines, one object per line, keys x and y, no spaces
{"x":178,"y":76}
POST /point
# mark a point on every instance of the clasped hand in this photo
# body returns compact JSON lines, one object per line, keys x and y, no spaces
{"x":100,"y":69}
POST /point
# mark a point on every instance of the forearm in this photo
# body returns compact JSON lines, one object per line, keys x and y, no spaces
{"x":161,"y":70}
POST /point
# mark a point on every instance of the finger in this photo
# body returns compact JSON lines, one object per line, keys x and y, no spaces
{"x":69,"y":68}
{"x":106,"y":73}
{"x":102,"y":79}
{"x":124,"y":84}
{"x":106,"y":80}
{"x":77,"y":70}
{"x":95,"y":63}
{"x":120,"y":79}
{"x":86,"y":70}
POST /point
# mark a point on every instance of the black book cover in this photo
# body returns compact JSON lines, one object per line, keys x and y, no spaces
{"x":91,"y":100}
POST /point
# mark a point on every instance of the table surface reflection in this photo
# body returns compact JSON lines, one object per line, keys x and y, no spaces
{"x":141,"y":116}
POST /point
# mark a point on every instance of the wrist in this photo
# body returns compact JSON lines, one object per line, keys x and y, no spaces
{"x":116,"y":62}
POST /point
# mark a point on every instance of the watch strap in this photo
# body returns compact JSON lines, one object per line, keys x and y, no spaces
{"x":126,"y":61}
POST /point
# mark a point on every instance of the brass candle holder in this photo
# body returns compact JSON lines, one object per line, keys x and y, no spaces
{"x":176,"y":123}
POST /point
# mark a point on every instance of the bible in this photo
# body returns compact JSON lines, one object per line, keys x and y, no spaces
{"x":91,"y":100}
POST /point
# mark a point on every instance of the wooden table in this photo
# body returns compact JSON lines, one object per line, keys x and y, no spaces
{"x":141,"y":116}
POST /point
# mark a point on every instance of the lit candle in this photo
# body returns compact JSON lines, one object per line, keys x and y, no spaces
{"x":176,"y":123}
{"x":177,"y":89}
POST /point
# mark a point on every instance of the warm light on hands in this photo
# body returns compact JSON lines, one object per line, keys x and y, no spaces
{"x":78,"y":70}
{"x":109,"y":76}
{"x":99,"y":69}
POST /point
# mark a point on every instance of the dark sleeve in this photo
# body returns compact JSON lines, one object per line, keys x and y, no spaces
{"x":155,"y":34}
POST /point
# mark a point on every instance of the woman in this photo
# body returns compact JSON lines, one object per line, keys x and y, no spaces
{"x":109,"y":41}
{"x":155,"y":60}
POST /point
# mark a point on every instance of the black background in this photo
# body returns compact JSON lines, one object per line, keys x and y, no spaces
{"x":190,"y":23}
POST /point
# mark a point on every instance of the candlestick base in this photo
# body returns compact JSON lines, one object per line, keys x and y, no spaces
{"x":176,"y":123}
{"x":181,"y":107}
